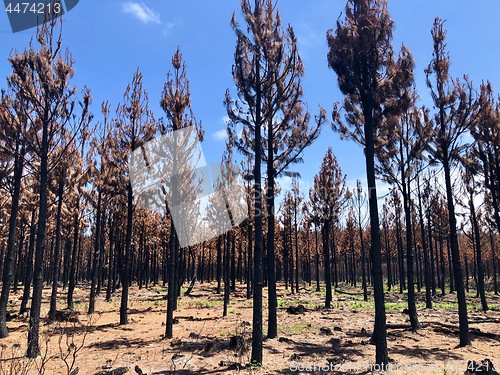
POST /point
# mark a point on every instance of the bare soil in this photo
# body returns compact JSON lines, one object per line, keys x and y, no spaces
{"x":311,"y":339}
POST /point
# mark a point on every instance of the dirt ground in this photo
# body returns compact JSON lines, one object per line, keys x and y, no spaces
{"x":315,"y":340}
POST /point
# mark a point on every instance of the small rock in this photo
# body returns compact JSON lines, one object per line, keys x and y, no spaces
{"x":230,"y":365}
{"x":116,"y":371}
{"x":335,"y":342}
{"x":296,"y":310}
{"x":337,"y":329}
{"x":325,"y":331}
{"x":176,"y":342}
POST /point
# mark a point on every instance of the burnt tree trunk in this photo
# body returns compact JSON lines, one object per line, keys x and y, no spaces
{"x":28,"y":275}
{"x":8,"y":266}
{"x":57,"y":250}
{"x":97,"y":252}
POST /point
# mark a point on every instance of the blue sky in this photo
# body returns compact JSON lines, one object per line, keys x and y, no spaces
{"x":110,"y":39}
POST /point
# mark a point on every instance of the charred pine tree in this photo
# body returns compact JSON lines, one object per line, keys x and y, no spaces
{"x":14,"y":121}
{"x":471,"y":187}
{"x":457,"y":111}
{"x":53,"y":103}
{"x":360,"y":201}
{"x":135,"y":126}
{"x":328,"y":197}
{"x":176,"y":103}
{"x":101,"y":176}
{"x":361,"y":55}
{"x":268,"y":68}
{"x":403,"y":144}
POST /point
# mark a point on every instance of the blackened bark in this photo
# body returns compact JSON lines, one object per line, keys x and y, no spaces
{"x":380,"y":330}
{"x":219,"y":263}
{"x":450,"y":266}
{"x":290,"y":258}
{"x":317,"y":258}
{"x":457,"y":265}
{"x":494,"y":259}
{"x":326,"y":258}
{"x":479,"y":255}
{"x":97,"y":252}
{"x":412,"y":308}
{"x":33,"y":349}
{"x":256,"y":356}
{"x":249,"y":261}
{"x":296,"y":233}
{"x":171,"y":296}
{"x":272,"y":323}
{"x":431,"y":251}
{"x":334,"y":259}
{"x":427,"y":273}
{"x":57,"y":250}
{"x":442,"y":263}
{"x":28,"y":276}
{"x":401,"y":267}
{"x":111,"y":259}
{"x":388,"y":256}
{"x":72,"y":270}
{"x":8,"y":266}
{"x":127,"y":267}
{"x":363,"y":259}
{"x":226,"y":270}
{"x":466,"y":263}
{"x":233,"y":263}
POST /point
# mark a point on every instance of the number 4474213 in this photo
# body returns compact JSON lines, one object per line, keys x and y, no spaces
{"x":33,"y":7}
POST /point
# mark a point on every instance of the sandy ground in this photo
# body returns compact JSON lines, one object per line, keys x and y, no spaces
{"x":318,"y":340}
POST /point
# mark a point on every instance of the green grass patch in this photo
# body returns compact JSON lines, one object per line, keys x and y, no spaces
{"x":494,"y":307}
{"x":205,"y":304}
{"x":355,"y":305}
{"x":471,"y":305}
{"x":282,"y":303}
{"x":297,"y":329}
{"x":314,"y":292}
{"x":308,"y":304}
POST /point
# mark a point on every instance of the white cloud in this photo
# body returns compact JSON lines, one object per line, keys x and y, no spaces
{"x":168,"y":28}
{"x":141,"y":12}
{"x":220,"y":135}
